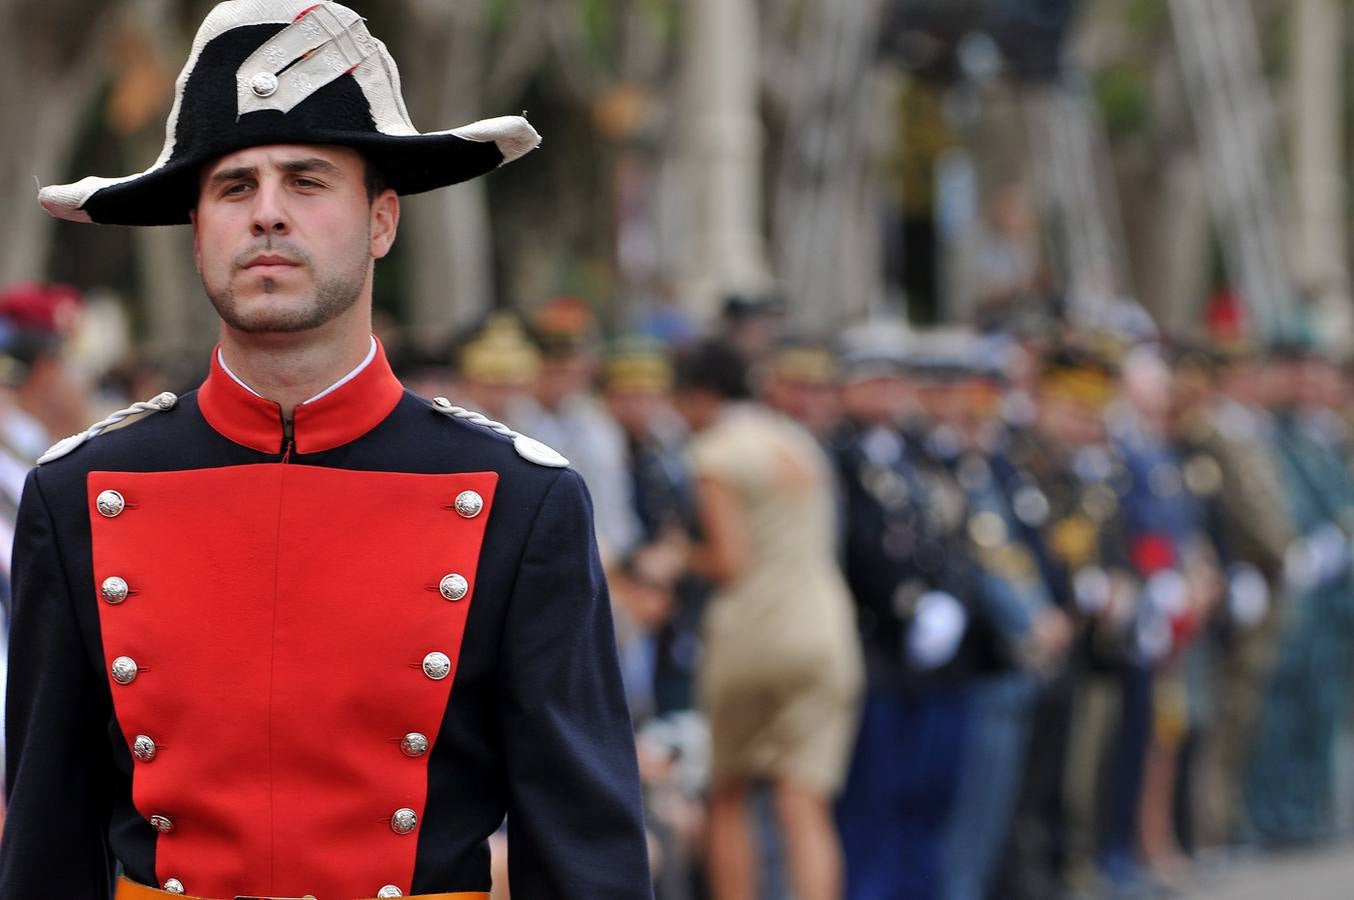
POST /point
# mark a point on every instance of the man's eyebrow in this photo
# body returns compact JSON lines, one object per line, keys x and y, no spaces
{"x":309,"y":164}
{"x":232,"y":174}
{"x":291,"y":166}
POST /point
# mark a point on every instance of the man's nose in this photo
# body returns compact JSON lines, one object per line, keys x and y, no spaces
{"x":270,"y":215}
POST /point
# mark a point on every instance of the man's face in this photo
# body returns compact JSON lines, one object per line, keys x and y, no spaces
{"x":285,"y":235}
{"x":877,"y":400}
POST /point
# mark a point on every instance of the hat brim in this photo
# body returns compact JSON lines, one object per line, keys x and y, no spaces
{"x":409,"y":164}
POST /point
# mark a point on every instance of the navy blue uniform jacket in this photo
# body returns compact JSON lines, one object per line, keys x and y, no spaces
{"x":532,"y":725}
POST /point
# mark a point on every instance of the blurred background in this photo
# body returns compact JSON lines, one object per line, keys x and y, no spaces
{"x":901,"y":156}
{"x":1038,"y":311}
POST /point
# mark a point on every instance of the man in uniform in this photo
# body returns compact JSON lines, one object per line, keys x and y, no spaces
{"x":497,"y":366}
{"x":1018,"y":633}
{"x":38,"y":391}
{"x":301,"y":632}
{"x":1230,"y":468}
{"x":563,"y":410}
{"x":801,"y":382}
{"x":1292,"y":781}
{"x":908,"y":564}
{"x":1066,"y":488}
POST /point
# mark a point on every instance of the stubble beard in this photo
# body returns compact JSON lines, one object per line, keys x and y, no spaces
{"x":330,"y":298}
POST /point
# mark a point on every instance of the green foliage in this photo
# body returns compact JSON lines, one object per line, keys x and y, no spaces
{"x":1148,"y":16}
{"x":498,"y":13}
{"x":663,"y":15}
{"x":604,"y":23}
{"x":1124,"y":95}
{"x":599,"y":25}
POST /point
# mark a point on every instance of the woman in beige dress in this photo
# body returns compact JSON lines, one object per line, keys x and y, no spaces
{"x":781,"y":672}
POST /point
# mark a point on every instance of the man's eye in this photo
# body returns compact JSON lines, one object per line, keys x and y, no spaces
{"x":238,"y":188}
{"x":307,"y":183}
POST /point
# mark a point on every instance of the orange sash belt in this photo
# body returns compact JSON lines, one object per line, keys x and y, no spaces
{"x":131,"y":890}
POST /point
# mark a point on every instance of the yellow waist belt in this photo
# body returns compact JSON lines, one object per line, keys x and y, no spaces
{"x":130,"y":890}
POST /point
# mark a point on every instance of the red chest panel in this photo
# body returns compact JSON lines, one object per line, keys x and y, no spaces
{"x":279,"y":617}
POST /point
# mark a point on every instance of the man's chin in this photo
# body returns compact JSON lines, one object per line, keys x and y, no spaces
{"x":273,"y":314}
{"x":262,"y":325}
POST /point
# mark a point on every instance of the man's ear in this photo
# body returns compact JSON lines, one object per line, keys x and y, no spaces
{"x":385,"y":222}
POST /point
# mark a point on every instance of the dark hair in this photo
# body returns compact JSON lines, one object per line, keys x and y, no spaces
{"x":713,"y":366}
{"x":374,"y":180}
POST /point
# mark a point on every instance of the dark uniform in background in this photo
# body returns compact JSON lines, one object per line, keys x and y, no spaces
{"x":1229,"y":466}
{"x":908,"y":565}
{"x":1066,"y":490}
{"x":1017,"y":634}
{"x":1291,"y":783}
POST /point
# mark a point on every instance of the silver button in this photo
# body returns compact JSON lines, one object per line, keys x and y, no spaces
{"x":114,"y":589}
{"x":110,"y":504}
{"x":263,"y":84}
{"x":469,"y":504}
{"x":173,"y":886}
{"x":436,"y":666}
{"x":454,"y":586}
{"x":389,"y":891}
{"x":164,"y":401}
{"x":414,"y":744}
{"x":441,"y":403}
{"x":143,"y":748}
{"x":162,"y":824}
{"x":404,"y":821}
{"x":124,"y":670}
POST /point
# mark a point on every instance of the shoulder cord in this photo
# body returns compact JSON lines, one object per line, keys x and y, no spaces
{"x":443,"y":405}
{"x":159,"y":403}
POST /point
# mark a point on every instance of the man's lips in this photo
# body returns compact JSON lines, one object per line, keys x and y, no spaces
{"x":271,"y":262}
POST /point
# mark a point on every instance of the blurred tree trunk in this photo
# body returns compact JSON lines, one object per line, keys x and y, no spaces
{"x":723,"y":154}
{"x":825,"y":214}
{"x":448,"y":231}
{"x":1161,"y":184}
{"x":1316,"y":87}
{"x":1158,"y":171}
{"x":179,"y":319}
{"x":52,"y":65}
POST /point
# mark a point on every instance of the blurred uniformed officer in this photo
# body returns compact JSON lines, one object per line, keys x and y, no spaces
{"x":659,"y":607}
{"x":40,"y":400}
{"x":1228,"y":465}
{"x":1291,"y":784}
{"x":1067,"y":488}
{"x":1165,"y":688}
{"x":497,"y":365}
{"x":637,"y":388}
{"x":563,"y":412}
{"x":908,"y":564}
{"x":801,"y":381}
{"x":1018,"y":633}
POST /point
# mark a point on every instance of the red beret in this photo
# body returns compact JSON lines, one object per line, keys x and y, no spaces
{"x":33,"y":305}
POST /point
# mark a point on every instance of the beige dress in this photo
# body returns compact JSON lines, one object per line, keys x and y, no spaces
{"x":781,"y":673}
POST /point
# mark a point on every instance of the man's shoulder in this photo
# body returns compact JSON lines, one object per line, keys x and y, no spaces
{"x":484,"y":437}
{"x":141,"y":432}
{"x":438,"y":436}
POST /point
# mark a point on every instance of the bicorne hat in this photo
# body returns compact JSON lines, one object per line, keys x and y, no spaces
{"x":288,"y":72}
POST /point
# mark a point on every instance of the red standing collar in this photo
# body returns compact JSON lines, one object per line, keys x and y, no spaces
{"x":343,"y":415}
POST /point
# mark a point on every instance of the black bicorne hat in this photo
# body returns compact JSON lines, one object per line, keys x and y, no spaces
{"x":288,"y":72}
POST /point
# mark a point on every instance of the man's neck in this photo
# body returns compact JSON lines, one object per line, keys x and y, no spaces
{"x":291,"y":368}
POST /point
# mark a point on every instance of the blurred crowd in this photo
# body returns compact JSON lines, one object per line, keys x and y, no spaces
{"x":1025,"y":613}
{"x":1029,"y":613}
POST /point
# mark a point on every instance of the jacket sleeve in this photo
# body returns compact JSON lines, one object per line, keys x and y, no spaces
{"x":575,"y":826}
{"x":56,"y":784}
